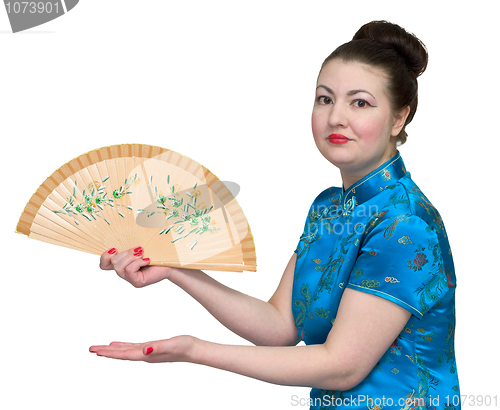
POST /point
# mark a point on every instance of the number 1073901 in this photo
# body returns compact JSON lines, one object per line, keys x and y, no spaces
{"x":32,"y":7}
{"x":472,"y":400}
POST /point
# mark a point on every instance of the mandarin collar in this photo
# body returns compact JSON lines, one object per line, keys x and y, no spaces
{"x":372,"y":184}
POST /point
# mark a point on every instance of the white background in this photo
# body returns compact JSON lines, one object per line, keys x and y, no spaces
{"x":231,"y":85}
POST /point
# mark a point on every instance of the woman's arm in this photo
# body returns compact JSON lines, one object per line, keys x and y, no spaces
{"x":365,"y":327}
{"x":260,"y":322}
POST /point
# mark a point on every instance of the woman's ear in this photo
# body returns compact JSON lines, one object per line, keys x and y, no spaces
{"x":399,"y":121}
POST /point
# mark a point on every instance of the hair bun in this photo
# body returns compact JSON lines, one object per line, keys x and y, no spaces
{"x":405,"y":44}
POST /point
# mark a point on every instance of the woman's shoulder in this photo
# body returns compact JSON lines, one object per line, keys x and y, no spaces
{"x":418,"y":203}
{"x":329,"y":195}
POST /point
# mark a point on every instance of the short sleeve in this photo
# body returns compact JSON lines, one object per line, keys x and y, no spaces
{"x":305,"y":236}
{"x":400,"y":260}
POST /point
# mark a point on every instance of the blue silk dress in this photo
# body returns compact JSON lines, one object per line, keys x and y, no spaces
{"x":382,"y":236}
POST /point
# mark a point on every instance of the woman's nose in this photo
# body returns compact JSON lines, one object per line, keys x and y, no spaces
{"x":337,"y":117}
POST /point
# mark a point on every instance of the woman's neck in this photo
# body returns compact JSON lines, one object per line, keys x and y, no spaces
{"x":351,"y":176}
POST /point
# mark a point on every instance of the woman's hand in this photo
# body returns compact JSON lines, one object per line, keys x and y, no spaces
{"x":176,"y":349}
{"x":365,"y":327}
{"x":131,"y":266}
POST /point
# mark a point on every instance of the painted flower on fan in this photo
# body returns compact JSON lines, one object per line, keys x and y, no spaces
{"x":173,"y":213}
{"x":197,"y":213}
{"x":186,"y":217}
{"x":206,"y":219}
{"x":161,"y":199}
{"x":92,"y":203}
{"x":176,"y":202}
{"x":194,"y":222}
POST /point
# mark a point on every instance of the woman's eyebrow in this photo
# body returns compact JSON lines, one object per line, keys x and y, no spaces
{"x":326,"y":88}
{"x":349,"y":93}
{"x":354,"y":92}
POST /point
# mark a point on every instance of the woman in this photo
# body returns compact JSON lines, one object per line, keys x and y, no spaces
{"x":370,"y":288}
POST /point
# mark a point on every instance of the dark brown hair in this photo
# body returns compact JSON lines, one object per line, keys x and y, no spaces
{"x":401,"y":55}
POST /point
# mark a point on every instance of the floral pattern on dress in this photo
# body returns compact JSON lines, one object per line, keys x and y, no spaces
{"x":382,"y":236}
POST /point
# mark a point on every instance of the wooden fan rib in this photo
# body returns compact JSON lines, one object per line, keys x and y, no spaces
{"x":182,"y":182}
{"x":155,"y":151}
{"x":56,"y":178}
{"x":52,"y":241}
{"x":208,"y":266}
{"x":47,"y":219}
{"x":89,"y":180}
{"x":134,"y":150}
{"x":134,"y":168}
{"x":105,"y":153}
{"x":96,"y":175}
{"x":115,"y":151}
{"x":160,"y":171}
{"x":100,"y":174}
{"x":146,"y":151}
{"x":117,"y":175}
{"x":36,"y":201}
{"x":58,"y":222}
{"x":64,"y":230}
{"x":229,"y":260}
{"x":93,"y":157}
{"x":25,"y":221}
{"x":63,"y":239}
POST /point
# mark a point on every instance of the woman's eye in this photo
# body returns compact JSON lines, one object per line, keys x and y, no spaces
{"x":361,"y":103}
{"x":324,"y":100}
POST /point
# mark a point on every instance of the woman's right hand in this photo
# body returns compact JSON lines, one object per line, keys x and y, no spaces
{"x":131,"y":266}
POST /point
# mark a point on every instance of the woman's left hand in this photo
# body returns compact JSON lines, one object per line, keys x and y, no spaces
{"x":176,"y":349}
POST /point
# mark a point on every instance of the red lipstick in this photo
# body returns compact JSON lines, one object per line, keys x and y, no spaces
{"x":338,"y":139}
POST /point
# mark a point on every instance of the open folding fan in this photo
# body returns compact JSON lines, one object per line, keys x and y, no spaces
{"x":131,"y":195}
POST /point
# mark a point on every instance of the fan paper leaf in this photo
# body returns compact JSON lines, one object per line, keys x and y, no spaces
{"x":131,"y":195}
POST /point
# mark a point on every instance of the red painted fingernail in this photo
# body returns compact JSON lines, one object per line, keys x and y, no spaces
{"x":138,"y":254}
{"x":112,"y":251}
{"x":149,"y":350}
{"x":137,"y":250}
{"x":146,"y":259}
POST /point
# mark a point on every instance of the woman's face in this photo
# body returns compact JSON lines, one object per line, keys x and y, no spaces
{"x":352,"y":121}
